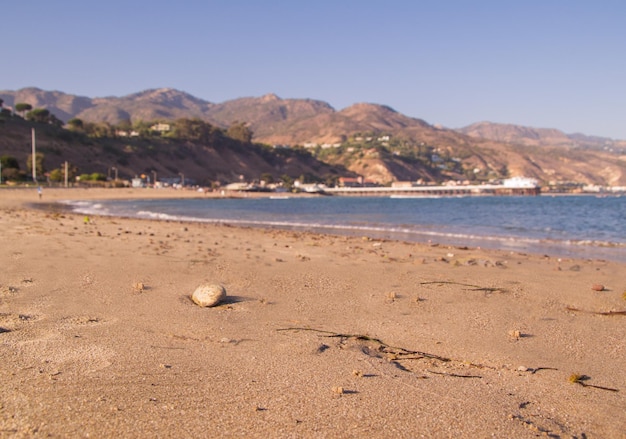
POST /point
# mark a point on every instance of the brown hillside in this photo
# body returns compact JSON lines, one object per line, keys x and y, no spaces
{"x":484,"y":150}
{"x":521,"y":135}
{"x":205,"y":163}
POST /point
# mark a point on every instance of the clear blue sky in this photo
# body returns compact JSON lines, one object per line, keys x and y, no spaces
{"x":540,"y":63}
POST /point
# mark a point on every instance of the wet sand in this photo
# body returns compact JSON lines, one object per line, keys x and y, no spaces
{"x":320,"y":336}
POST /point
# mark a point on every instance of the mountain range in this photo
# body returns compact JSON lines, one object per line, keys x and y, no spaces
{"x":483,"y":148}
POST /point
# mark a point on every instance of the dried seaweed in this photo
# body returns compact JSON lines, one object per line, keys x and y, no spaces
{"x":470,"y":286}
{"x":455,"y":375}
{"x":600,"y":313}
{"x":580,"y":379}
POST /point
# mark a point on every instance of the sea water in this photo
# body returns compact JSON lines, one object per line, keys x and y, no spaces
{"x":577,"y":226}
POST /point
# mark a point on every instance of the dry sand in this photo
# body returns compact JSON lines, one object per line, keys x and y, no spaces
{"x":99,"y":337}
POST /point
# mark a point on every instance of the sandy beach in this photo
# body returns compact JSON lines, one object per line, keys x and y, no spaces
{"x":320,"y":336}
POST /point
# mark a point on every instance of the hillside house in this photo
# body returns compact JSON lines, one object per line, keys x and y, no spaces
{"x":161,"y":127}
{"x":356,"y":182}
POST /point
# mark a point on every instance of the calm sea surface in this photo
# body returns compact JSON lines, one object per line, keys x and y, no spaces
{"x":579,"y":226}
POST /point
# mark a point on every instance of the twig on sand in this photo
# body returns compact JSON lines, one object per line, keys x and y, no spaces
{"x":580,"y":379}
{"x":456,"y":375}
{"x":600,"y":313}
{"x":537,"y":369}
{"x":470,"y":286}
{"x":401,"y":353}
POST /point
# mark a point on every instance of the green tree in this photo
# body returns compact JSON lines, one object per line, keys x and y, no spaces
{"x":196,"y":129}
{"x":267,"y":177}
{"x":39,"y":166}
{"x":40,"y":115}
{"x":13,"y":174}
{"x":239,"y":131}
{"x":287,"y":181}
{"x":8,"y":161}
{"x":10,"y":168}
{"x":22,"y":108}
{"x":102,"y":129}
{"x":58,"y":174}
{"x":75,"y":124}
{"x":53,"y":120}
{"x":97,"y":176}
{"x":125,"y":125}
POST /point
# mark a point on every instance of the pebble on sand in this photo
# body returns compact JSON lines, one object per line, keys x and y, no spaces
{"x":208,"y":295}
{"x":597,"y":287}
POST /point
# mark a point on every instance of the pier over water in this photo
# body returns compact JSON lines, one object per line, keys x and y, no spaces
{"x":416,"y":191}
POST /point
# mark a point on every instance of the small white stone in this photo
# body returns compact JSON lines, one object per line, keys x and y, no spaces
{"x":208,"y":295}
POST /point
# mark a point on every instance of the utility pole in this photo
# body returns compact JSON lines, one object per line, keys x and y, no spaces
{"x":34,"y":154}
{"x":66,"y":169}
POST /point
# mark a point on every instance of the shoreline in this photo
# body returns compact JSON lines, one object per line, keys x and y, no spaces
{"x":536,"y":246}
{"x":320,"y":335}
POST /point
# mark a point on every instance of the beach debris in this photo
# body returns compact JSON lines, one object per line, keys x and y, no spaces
{"x":454,"y":375}
{"x":534,"y":370}
{"x":357,"y":373}
{"x":321,"y":348}
{"x":383,"y":348}
{"x":515,"y":334}
{"x":600,"y":313}
{"x":338,"y":390}
{"x":597,"y":287}
{"x":390,"y":297}
{"x":139,"y":287}
{"x":581,"y":380}
{"x":6,"y":290}
{"x":470,"y":286}
{"x":208,"y":295}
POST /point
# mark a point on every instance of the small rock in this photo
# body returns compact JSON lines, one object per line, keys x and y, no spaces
{"x":515,"y":334}
{"x":597,"y":287}
{"x":338,"y":390}
{"x":208,"y":295}
{"x":391,"y":297}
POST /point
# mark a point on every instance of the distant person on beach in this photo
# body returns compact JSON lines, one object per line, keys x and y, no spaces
{"x":40,"y":192}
